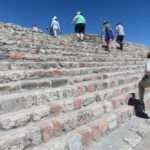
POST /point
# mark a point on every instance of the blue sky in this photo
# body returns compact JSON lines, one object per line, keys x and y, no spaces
{"x":134,"y":15}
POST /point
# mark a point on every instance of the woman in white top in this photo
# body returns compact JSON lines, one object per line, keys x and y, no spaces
{"x":55,"y":26}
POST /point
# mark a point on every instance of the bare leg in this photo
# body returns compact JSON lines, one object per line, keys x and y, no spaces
{"x":82,"y":36}
{"x":78,"y":35}
{"x":55,"y":32}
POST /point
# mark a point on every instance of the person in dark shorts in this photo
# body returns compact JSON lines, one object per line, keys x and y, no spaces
{"x":120,"y":35}
{"x":107,"y":34}
{"x":79,"y":22}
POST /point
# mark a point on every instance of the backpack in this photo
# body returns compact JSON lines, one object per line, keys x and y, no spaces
{"x":138,"y":104}
{"x":139,"y":107}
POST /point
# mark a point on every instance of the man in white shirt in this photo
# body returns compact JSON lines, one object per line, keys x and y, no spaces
{"x":120,"y":35}
{"x":145,"y":82}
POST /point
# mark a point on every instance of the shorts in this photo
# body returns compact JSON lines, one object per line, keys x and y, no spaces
{"x":109,"y":35}
{"x":120,"y":38}
{"x":80,"y":28}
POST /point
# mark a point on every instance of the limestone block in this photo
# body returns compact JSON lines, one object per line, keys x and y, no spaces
{"x":15,"y":120}
{"x":59,"y":82}
{"x":133,"y":140}
{"x":28,"y":85}
{"x":88,"y":100}
{"x":125,"y":146}
{"x":112,"y":122}
{"x":29,"y":101}
{"x":40,"y":112}
{"x":70,"y":123}
{"x":17,"y":76}
{"x":11,"y":104}
{"x":13,"y":142}
{"x":97,"y":110}
{"x":41,"y":99}
{"x":68,"y":106}
{"x":84,"y":116}
{"x":86,"y":134}
{"x":108,"y":107}
{"x":33,"y":136}
{"x":46,"y":127}
{"x":3,"y":56}
{"x":74,"y":142}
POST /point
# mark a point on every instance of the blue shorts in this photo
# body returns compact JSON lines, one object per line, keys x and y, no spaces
{"x":109,"y":35}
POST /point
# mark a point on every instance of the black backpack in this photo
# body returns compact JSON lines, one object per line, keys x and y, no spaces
{"x":139,"y":106}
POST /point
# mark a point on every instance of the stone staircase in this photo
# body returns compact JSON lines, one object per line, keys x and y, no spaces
{"x":60,"y":94}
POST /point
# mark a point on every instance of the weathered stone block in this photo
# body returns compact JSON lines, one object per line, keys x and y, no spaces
{"x":55,"y":109}
{"x":33,"y":136}
{"x":108,"y":107}
{"x":103,"y":125}
{"x":96,"y":131}
{"x":112,"y":122}
{"x":86,"y":134}
{"x":14,"y":120}
{"x":59,"y":82}
{"x":57,"y":128}
{"x":56,"y":73}
{"x":84,"y":116}
{"x":28,"y":85}
{"x":46,"y":129}
{"x":74,"y":142}
{"x":133,"y":139}
{"x":88,"y":100}
{"x":70,"y":123}
{"x":40,"y":113}
{"x":16,"y":56}
{"x":78,"y":103}
{"x":3,"y":56}
{"x":41,"y":99}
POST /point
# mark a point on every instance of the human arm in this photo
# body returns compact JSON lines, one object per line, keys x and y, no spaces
{"x":74,"y":19}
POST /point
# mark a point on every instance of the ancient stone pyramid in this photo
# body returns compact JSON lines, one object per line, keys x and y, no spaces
{"x":60,"y":94}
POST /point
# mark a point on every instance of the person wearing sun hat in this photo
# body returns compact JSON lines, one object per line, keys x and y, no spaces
{"x":54,"y":26}
{"x":79,"y":22}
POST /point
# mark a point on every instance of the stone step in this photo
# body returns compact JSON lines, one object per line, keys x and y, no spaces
{"x":128,"y":137}
{"x":70,"y":51}
{"x":51,"y":41}
{"x":69,"y":121}
{"x":79,"y":46}
{"x":20,"y":139}
{"x":12,"y":75}
{"x":15,"y":56}
{"x":26,"y":99}
{"x":55,"y":83}
{"x":84,"y":136}
{"x":55,"y":110}
{"x":22,"y":65}
{"x":61,"y":51}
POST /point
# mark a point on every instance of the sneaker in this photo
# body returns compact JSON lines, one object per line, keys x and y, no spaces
{"x":119,"y":48}
{"x":79,"y":40}
{"x":106,"y":48}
